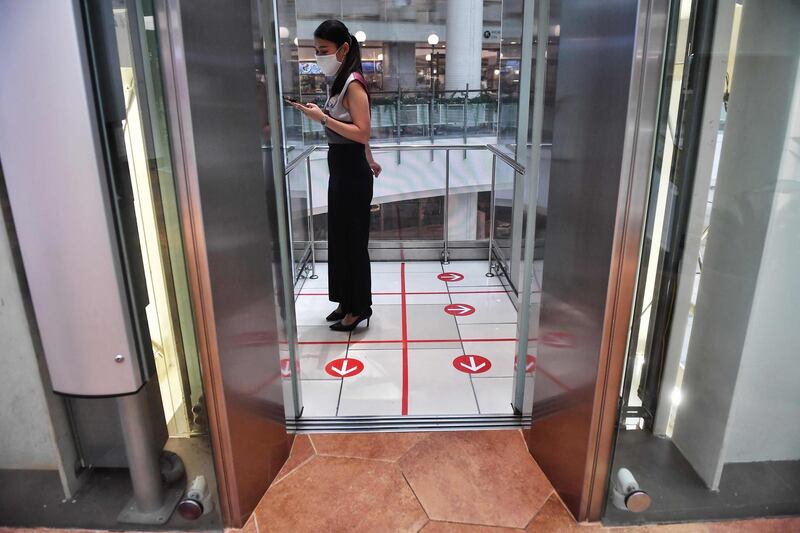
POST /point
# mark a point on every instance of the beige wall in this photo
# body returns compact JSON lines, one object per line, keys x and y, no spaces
{"x":25,"y":435}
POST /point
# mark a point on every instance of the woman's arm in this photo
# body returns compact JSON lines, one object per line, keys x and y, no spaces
{"x":356,"y":101}
{"x":376,"y":168}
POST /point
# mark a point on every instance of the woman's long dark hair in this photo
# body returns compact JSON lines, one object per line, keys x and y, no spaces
{"x":336,"y":32}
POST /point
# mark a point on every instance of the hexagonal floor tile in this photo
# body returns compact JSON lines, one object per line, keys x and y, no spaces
{"x":382,"y":446}
{"x":302,"y":450}
{"x":341,"y":494}
{"x":452,"y":527}
{"x":554,"y":518}
{"x":480,"y":477}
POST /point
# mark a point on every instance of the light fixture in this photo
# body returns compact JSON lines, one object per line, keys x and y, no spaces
{"x":516,"y":71}
{"x":496,"y":71}
{"x":501,"y":54}
{"x":283,"y":31}
{"x":361,"y":36}
{"x":513,"y":42}
{"x":434,"y":71}
{"x":427,"y":57}
{"x":380,"y":57}
{"x":676,"y":396}
{"x":296,"y":42}
{"x":433,"y":39}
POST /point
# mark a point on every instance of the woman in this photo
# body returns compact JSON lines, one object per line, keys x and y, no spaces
{"x":346,"y":119}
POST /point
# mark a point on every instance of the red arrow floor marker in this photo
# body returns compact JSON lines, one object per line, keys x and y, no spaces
{"x":472,"y":364}
{"x":459,"y":309}
{"x":286,"y":368}
{"x":450,"y":276}
{"x":557,"y":339}
{"x":530,"y":363}
{"x":344,"y":368}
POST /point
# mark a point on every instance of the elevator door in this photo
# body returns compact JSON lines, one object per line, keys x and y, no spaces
{"x":263,"y":256}
{"x":446,"y":295}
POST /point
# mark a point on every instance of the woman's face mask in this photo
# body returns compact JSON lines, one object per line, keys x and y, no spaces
{"x":329,"y":64}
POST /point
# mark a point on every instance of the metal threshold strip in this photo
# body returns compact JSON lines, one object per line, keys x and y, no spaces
{"x":354,"y":424}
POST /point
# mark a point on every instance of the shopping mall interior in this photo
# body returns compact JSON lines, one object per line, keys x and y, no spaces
{"x":583,"y":249}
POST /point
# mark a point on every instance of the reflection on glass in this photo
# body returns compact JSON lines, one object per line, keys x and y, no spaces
{"x":707,"y":426}
{"x":404,"y":207}
{"x":122,"y":38}
{"x":297,"y":186}
{"x":503,"y":211}
{"x":146,"y":144}
{"x":509,"y":65}
{"x":425,"y":88}
{"x":415,"y":94}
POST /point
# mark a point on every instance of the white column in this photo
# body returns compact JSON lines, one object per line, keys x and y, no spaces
{"x":399,"y":66}
{"x":463,"y":215}
{"x":464,"y":44}
{"x":739,"y":388}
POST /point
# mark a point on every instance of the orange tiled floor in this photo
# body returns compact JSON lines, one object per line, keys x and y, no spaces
{"x":483,"y":481}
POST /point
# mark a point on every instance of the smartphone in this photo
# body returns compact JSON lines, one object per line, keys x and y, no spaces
{"x":293,"y":100}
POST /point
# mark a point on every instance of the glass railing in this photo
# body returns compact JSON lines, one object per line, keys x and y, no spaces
{"x":412,"y":116}
{"x":439,"y":195}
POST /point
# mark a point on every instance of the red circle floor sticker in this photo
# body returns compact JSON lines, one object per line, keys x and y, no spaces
{"x":286,"y":367}
{"x":344,"y":368}
{"x":472,"y":364}
{"x":530,"y":363}
{"x":557,"y":339}
{"x":459,"y":309}
{"x":450,"y":276}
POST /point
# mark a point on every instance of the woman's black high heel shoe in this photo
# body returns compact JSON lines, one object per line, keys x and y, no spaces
{"x":335,"y":315}
{"x":338,"y":326}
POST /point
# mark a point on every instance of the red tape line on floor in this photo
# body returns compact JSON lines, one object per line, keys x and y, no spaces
{"x":413,"y":293}
{"x":398,"y":341}
{"x":404,"y":410}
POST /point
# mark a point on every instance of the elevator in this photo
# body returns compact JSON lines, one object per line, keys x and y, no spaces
{"x":506,"y":230}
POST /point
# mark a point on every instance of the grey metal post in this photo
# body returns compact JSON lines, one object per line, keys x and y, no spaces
{"x":397,"y":119}
{"x":523,"y":324}
{"x":142,"y":458}
{"x":151,"y":503}
{"x":446,"y":252}
{"x":433,"y":102}
{"x":489,"y":272}
{"x":311,"y":219}
{"x":466,"y":103}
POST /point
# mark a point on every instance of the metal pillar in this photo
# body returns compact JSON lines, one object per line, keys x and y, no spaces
{"x":311,"y":220}
{"x":489,"y":272}
{"x":466,"y":103}
{"x":542,"y":37}
{"x":445,"y":251}
{"x":152,"y":503}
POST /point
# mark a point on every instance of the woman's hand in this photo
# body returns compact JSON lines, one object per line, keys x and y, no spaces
{"x":310,"y":110}
{"x":376,"y":168}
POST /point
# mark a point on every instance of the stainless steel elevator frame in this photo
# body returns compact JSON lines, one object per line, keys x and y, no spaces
{"x":230,"y":221}
{"x":618,"y":219}
{"x":610,"y":51}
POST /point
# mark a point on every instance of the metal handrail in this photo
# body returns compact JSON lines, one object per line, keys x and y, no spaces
{"x":418,"y":146}
{"x":318,"y":94}
{"x":299,"y":159}
{"x":495,"y":150}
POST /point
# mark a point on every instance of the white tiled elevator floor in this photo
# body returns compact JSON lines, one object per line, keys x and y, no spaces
{"x":409,"y":349}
